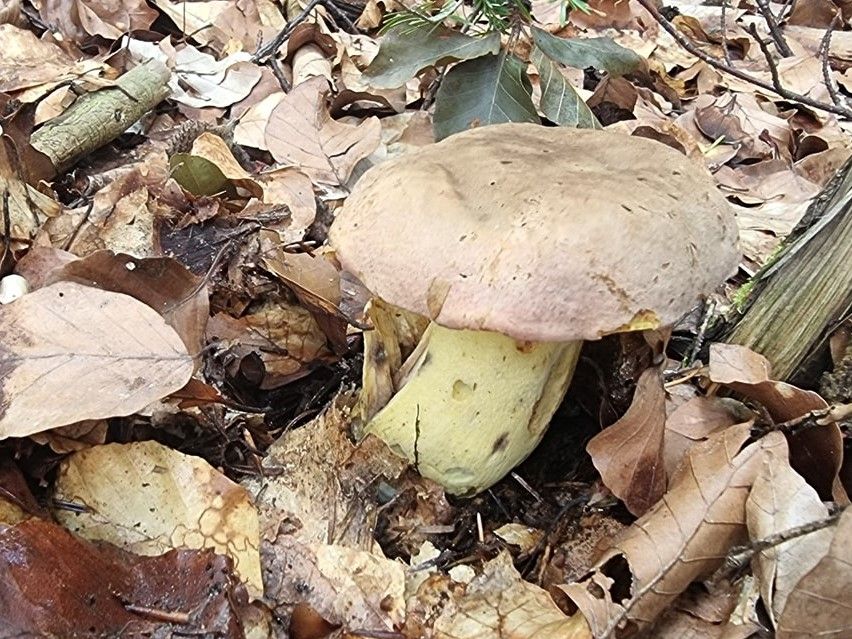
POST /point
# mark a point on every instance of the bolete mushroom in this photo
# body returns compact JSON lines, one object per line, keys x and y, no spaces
{"x":516,"y":242}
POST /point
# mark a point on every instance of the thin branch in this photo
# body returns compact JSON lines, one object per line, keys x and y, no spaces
{"x":767,"y":54}
{"x":738,"y":557}
{"x":731,"y":70}
{"x":724,"y":28}
{"x":824,"y":49}
{"x":272,"y":46}
{"x":774,"y":29}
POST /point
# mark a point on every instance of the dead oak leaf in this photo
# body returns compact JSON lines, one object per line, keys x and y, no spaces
{"x":685,"y":536}
{"x":302,"y":133}
{"x":70,"y":352}
{"x":629,"y":454}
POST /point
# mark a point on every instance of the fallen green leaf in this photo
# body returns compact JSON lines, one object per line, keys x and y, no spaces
{"x":405,"y":51}
{"x":488,"y":90}
{"x":197,"y":175}
{"x":559,"y":101}
{"x":600,"y":53}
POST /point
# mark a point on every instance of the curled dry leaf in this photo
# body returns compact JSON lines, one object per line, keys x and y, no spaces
{"x":815,"y":453}
{"x":781,"y":499}
{"x":818,"y":605}
{"x":148,"y":499}
{"x":57,"y":585}
{"x":629,"y":453}
{"x":302,"y":133}
{"x":70,"y":353}
{"x":353,"y":589}
{"x":499,"y":604}
{"x":683,"y":537}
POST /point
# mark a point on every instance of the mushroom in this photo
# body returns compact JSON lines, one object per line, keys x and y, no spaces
{"x":512,"y":244}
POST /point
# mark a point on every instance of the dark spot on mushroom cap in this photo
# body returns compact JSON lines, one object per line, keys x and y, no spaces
{"x":500,"y":444}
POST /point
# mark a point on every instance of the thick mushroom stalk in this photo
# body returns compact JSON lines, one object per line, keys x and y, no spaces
{"x":471,"y":405}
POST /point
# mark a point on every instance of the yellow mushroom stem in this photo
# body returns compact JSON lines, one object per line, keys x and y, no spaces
{"x":470,"y":405}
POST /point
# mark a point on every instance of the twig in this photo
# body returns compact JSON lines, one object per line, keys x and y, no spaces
{"x":272,"y":46}
{"x":723,"y":20}
{"x":774,"y":29}
{"x":787,"y":9}
{"x":767,"y":54}
{"x":811,"y":419}
{"x":824,"y":48}
{"x":740,"y":556}
{"x":730,"y":70}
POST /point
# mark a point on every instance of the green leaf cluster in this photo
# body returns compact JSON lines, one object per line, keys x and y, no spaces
{"x":487,"y":84}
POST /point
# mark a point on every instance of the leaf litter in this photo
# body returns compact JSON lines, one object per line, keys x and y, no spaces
{"x":180,"y":371}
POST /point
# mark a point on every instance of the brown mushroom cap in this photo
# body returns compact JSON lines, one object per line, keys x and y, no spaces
{"x":545,"y":234}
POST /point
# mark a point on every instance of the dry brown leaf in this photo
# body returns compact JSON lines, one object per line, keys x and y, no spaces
{"x":694,"y":421}
{"x":148,"y":499}
{"x":354,"y":589}
{"x":162,"y":283}
{"x":301,"y":133}
{"x":684,"y":537}
{"x":70,"y":353}
{"x":316,"y":283}
{"x":79,"y":19}
{"x":819,"y":606}
{"x":629,"y":454}
{"x":57,"y":585}
{"x":781,"y":499}
{"x":815,"y":453}
{"x":499,"y":604}
{"x":74,"y":437}
{"x":285,"y":337}
{"x":292,"y":188}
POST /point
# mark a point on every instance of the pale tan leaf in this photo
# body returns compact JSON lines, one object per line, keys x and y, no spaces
{"x":781,"y":499}
{"x":629,"y":454}
{"x":684,"y":537}
{"x":351,"y":588}
{"x":819,"y":605}
{"x":70,"y":353}
{"x":302,"y":133}
{"x":148,"y":499}
{"x":499,"y":604}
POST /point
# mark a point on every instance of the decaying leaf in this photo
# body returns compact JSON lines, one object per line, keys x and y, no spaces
{"x":58,"y":585}
{"x":70,"y":352}
{"x":815,"y":453}
{"x":353,"y":589}
{"x":148,"y":499}
{"x":302,"y":133}
{"x":685,"y":536}
{"x":499,"y":604}
{"x":818,"y":606}
{"x":629,"y":454}
{"x":781,"y":499}
{"x":306,"y":493}
{"x":162,"y":283}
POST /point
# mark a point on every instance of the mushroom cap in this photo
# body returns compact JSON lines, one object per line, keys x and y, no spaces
{"x":539,"y":233}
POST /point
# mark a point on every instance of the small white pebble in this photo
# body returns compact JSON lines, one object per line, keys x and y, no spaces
{"x":12,"y":287}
